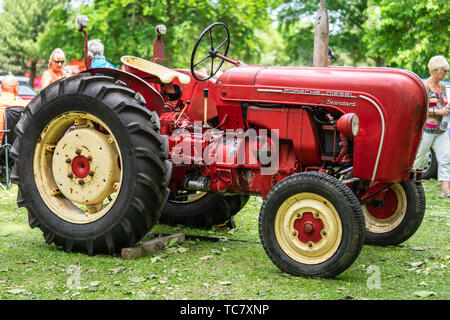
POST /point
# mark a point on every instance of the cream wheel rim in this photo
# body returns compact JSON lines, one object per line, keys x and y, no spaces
{"x":308,"y":228}
{"x":77,"y":167}
{"x":390,"y":221}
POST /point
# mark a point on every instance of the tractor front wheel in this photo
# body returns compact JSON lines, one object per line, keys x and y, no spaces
{"x":311,"y":225}
{"x":90,"y":165}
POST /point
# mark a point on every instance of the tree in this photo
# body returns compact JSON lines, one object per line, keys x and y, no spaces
{"x":408,"y":33}
{"x":22,"y":24}
{"x":346,"y":18}
{"x":127,"y":27}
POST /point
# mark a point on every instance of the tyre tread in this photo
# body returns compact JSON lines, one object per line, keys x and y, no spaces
{"x":142,"y":125}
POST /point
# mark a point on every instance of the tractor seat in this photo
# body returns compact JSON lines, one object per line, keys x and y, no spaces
{"x":142,"y":68}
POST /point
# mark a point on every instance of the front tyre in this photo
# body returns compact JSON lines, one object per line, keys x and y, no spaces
{"x":311,"y":225}
{"x":397,"y":217}
{"x":90,"y":165}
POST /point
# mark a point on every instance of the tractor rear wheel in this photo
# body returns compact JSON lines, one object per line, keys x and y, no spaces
{"x":203,"y":210}
{"x":396,"y":218}
{"x":90,"y":165}
{"x":311,"y":225}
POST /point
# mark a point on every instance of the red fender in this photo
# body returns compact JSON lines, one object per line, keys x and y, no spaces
{"x":154,"y":101}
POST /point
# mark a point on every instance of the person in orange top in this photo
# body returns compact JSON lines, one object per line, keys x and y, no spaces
{"x":11,"y":107}
{"x":55,"y":69}
{"x":10,"y":91}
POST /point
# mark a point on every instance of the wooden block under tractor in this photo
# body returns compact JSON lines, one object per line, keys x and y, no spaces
{"x":150,"y":246}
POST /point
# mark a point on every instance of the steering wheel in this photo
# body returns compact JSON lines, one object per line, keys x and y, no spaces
{"x":213,"y":51}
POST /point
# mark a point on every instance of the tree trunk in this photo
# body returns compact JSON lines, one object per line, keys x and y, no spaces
{"x":321,"y":37}
{"x":380,"y":62}
{"x":33,"y":69}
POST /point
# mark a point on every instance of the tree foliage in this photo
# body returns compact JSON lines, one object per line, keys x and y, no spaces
{"x":22,"y":25}
{"x":128,"y":27}
{"x":408,"y":33}
{"x":403,"y":34}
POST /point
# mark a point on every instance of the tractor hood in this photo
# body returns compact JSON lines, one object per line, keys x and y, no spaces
{"x":390,"y":103}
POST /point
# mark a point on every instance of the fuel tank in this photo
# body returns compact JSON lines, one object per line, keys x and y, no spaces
{"x":391,"y":105}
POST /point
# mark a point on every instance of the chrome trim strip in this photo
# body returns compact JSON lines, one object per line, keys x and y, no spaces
{"x":270,"y":90}
{"x":310,"y":92}
{"x":383,"y":131}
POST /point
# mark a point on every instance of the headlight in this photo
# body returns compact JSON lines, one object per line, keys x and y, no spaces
{"x":355,"y":125}
{"x":348,"y":125}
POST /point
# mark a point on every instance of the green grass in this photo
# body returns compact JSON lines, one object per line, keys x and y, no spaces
{"x":31,"y":269}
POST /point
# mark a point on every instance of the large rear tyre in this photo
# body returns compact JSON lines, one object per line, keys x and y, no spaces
{"x":311,"y":225}
{"x":397,"y":217}
{"x":203,"y":210}
{"x":90,"y":165}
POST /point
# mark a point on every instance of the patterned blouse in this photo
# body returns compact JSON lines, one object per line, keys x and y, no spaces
{"x":437,"y":100}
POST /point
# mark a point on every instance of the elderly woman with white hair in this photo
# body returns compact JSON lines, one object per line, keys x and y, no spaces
{"x":435,"y":134}
{"x":96,"y":51}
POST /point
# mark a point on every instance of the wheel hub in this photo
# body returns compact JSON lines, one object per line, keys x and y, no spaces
{"x":85,"y":166}
{"x":81,"y":167}
{"x":384,"y":216}
{"x":386,"y":208}
{"x":308,"y":228}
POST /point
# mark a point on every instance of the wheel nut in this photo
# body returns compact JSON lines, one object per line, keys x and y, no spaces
{"x":310,"y":244}
{"x":78,"y":151}
{"x":324,"y":233}
{"x":70,"y":175}
{"x":68,"y":160}
{"x":89,"y":158}
{"x":316,"y":214}
{"x":294,"y":233}
{"x":81,"y":181}
{"x":91,"y":173}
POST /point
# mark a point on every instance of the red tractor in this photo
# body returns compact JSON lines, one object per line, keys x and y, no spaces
{"x":103,"y":155}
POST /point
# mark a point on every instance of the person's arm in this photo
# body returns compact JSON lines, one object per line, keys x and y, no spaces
{"x":46,"y":79}
{"x":439,"y":112}
{"x":446,"y":110}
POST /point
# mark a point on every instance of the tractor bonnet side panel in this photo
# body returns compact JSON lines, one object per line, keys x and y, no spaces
{"x":390,"y":103}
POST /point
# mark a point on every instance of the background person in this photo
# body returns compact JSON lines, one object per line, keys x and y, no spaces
{"x":55,"y":69}
{"x":331,"y":57}
{"x":10,"y":91}
{"x":434,"y":136}
{"x":96,"y":51}
{"x":11,"y":108}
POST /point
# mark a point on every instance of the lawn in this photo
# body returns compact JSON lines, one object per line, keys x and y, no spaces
{"x":225,"y":270}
